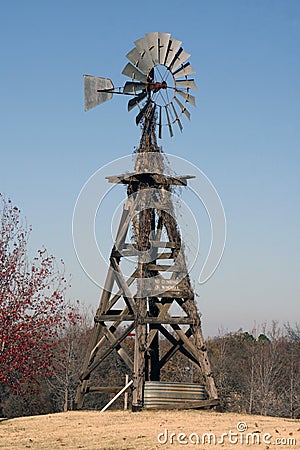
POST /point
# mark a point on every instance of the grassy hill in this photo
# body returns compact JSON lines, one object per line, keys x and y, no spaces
{"x":92,"y":430}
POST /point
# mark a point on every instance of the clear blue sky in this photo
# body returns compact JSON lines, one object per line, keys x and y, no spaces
{"x":244,"y":133}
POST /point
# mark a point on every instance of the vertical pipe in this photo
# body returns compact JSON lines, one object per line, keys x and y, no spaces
{"x":126,"y":393}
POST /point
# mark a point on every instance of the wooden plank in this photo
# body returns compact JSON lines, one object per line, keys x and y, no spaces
{"x":113,"y":317}
{"x":188,"y":344}
{"x":190,"y":308}
{"x":154,"y":243}
{"x":178,"y":345}
{"x":175,"y":294}
{"x":127,"y":253}
{"x":99,"y":358}
{"x":122,"y":230}
{"x":167,"y":268}
{"x":150,"y":337}
{"x":100,"y":342}
{"x":118,"y":179}
{"x":165,"y":256}
{"x":120,"y":291}
{"x":169,"y":320}
{"x":106,"y":293}
{"x":163,"y":244}
{"x":139,"y":356}
{"x":121,"y":351}
{"x":158,"y":178}
{"x":127,"y":214}
{"x":162,"y":267}
{"x":193,"y":405}
{"x":106,"y":389}
{"x":123,"y":284}
{"x":80,"y":393}
{"x":122,"y":253}
{"x":162,"y":309}
{"x":165,"y":288}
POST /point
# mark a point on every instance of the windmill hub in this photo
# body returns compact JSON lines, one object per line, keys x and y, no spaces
{"x":155,"y":87}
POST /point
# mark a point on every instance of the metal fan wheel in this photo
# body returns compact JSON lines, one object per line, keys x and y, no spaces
{"x":159,"y":74}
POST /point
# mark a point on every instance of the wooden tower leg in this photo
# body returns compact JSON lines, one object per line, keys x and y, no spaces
{"x":139,"y":367}
{"x":154,"y":372}
{"x":189,"y":306}
{"x":139,"y":356}
{"x":97,"y":332}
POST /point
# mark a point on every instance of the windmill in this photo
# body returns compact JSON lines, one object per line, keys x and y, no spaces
{"x":159,"y":87}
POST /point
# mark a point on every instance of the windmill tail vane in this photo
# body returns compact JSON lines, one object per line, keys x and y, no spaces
{"x":159,"y":73}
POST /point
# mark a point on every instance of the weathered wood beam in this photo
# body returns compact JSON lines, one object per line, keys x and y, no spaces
{"x":106,"y":293}
{"x":119,"y":294}
{"x":188,"y":344}
{"x":169,"y":320}
{"x":165,"y":255}
{"x":124,"y":253}
{"x":99,"y":358}
{"x":122,"y":230}
{"x":113,"y":317}
{"x":178,"y":345}
{"x":127,"y":214}
{"x":139,"y":355}
{"x":190,"y":308}
{"x":106,"y":389}
{"x":166,"y":268}
{"x":163,"y":244}
{"x":123,"y":285}
{"x":122,"y":352}
{"x":157,"y":178}
{"x":160,"y":309}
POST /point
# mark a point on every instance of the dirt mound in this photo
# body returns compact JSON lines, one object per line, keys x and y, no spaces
{"x":92,"y":430}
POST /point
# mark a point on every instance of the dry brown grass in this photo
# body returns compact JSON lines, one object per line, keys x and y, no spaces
{"x":126,"y":430}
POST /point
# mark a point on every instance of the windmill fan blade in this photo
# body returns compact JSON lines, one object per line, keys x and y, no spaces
{"x":145,"y":59}
{"x":183,"y":108}
{"x":136,"y":58}
{"x":177,"y":118}
{"x":163,"y":42}
{"x":133,"y":56}
{"x":132,"y":86}
{"x":143,"y":112}
{"x":152,"y":40}
{"x":92,"y":84}
{"x":136,"y":100}
{"x":169,"y":123}
{"x":187,"y":83}
{"x":179,"y":59}
{"x":173,"y":48}
{"x":187,"y":96}
{"x":141,"y":44}
{"x":185,"y":70}
{"x":132,"y":72}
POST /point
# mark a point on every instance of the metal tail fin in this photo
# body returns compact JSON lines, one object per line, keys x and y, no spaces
{"x":92,"y":86}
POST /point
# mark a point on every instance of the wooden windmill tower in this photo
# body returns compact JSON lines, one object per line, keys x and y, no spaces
{"x":143,"y":301}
